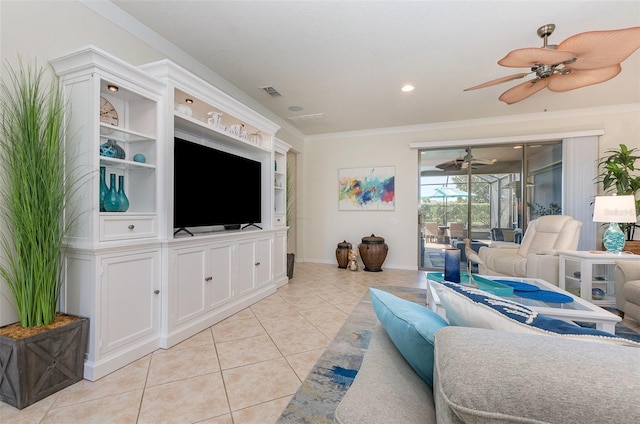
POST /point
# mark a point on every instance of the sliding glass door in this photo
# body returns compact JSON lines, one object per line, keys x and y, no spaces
{"x":478,"y":193}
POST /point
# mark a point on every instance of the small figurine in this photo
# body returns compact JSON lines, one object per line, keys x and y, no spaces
{"x":353,"y":260}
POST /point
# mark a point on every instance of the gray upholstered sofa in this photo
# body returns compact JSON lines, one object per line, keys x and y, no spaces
{"x":490,"y":376}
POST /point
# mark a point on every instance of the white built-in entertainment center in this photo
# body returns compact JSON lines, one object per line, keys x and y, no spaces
{"x":142,"y":283}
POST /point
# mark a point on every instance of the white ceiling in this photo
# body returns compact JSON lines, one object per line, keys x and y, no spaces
{"x":348,"y":59}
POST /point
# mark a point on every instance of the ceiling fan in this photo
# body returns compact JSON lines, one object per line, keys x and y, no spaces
{"x":463,"y":163}
{"x":583,"y":59}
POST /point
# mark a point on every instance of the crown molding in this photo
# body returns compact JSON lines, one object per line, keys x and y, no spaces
{"x":499,"y":120}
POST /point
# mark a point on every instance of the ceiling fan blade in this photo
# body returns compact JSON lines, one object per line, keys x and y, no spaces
{"x":526,"y":58}
{"x":498,"y":81}
{"x":578,"y":78}
{"x":600,"y":49}
{"x":524,"y":90}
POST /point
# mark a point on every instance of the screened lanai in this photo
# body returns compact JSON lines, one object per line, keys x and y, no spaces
{"x":479,"y":193}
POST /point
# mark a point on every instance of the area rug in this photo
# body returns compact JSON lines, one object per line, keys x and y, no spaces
{"x":331,"y":377}
{"x":323,"y":389}
{"x":436,"y":259}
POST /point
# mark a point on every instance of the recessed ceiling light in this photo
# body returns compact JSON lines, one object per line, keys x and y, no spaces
{"x":189,"y":101}
{"x":295,"y":108}
{"x":112,"y":87}
{"x":517,"y":147}
{"x":408,"y":87}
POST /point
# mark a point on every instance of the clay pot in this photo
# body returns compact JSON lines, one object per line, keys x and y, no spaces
{"x":342,"y":254}
{"x":373,"y":251}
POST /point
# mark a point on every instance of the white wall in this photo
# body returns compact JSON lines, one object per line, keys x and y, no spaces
{"x":325,"y":226}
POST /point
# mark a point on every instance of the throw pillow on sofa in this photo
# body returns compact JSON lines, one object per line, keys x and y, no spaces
{"x":470,"y":307}
{"x":411,"y":327}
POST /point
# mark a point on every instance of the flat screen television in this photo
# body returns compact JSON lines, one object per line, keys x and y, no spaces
{"x":214,"y":188}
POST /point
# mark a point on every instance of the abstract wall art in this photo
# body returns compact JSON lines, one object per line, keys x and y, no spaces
{"x":366,"y":189}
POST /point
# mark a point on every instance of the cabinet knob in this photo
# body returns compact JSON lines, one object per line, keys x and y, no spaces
{"x":131,"y":226}
{"x":156,"y":291}
{"x":257,"y":263}
{"x":208,"y":279}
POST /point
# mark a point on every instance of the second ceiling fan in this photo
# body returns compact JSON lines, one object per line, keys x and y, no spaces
{"x":583,"y":59}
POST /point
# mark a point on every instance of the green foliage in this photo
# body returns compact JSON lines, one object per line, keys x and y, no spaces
{"x":34,"y":190}
{"x":288,"y":192}
{"x":538,"y":210}
{"x":619,"y":175}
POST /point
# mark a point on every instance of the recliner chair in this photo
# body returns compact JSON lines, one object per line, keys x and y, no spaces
{"x":627,"y":287}
{"x":536,"y":256}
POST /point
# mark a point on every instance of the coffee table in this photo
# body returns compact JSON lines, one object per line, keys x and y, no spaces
{"x":578,"y":310}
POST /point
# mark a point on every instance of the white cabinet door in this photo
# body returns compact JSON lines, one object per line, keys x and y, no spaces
{"x":190,"y":276}
{"x":221,"y":264}
{"x":245,"y":268}
{"x":263,"y":261}
{"x":129,"y":298}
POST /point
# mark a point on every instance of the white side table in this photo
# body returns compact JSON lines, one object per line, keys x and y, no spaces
{"x":584,"y":270}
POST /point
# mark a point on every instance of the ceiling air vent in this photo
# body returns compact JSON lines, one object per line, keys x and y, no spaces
{"x":271,"y":91}
{"x":310,"y":120}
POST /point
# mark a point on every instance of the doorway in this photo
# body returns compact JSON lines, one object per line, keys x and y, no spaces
{"x":486,"y":193}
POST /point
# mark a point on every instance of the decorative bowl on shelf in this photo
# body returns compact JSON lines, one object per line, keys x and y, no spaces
{"x":139,"y":157}
{"x":110,"y":149}
{"x":597,"y":294}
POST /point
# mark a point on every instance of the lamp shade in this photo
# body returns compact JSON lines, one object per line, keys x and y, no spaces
{"x":614,"y":209}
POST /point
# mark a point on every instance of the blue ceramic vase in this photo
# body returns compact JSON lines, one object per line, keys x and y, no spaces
{"x":122,"y":197}
{"x":452,"y":265}
{"x":112,"y":200}
{"x":103,"y":187}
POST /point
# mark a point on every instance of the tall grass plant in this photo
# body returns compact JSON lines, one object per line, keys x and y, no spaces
{"x":33,"y":188}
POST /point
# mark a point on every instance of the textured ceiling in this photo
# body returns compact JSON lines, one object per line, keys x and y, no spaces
{"x":348,"y":59}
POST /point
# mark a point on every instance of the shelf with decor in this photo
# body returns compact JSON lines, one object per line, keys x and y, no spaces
{"x":589,"y":274}
{"x":112,"y":259}
{"x":280,"y":183}
{"x":212,"y":119}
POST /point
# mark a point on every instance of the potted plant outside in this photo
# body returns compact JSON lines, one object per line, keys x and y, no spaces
{"x":44,"y":351}
{"x":619,"y":175}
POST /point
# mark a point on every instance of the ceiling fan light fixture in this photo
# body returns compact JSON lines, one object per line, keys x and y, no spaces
{"x":581,"y":60}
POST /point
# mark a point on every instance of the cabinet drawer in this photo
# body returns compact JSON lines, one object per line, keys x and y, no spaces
{"x":126,"y":227}
{"x":279,"y":220}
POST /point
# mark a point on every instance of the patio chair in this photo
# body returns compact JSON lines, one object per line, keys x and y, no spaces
{"x":536,"y":256}
{"x":430,"y":231}
{"x":455,"y":230}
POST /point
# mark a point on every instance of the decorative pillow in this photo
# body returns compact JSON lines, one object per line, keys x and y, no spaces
{"x":470,"y":307}
{"x":411,"y":327}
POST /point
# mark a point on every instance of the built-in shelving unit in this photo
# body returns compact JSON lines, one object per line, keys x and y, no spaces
{"x":142,"y":287}
{"x":112,"y":261}
{"x":280,"y":183}
{"x":214,"y":274}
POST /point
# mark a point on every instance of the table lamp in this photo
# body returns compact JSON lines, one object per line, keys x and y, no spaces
{"x":614,"y":209}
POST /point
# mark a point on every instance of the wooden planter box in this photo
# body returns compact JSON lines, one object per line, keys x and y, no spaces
{"x":38,"y":366}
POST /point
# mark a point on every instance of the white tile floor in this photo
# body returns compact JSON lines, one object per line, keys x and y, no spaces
{"x":242,"y":370}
